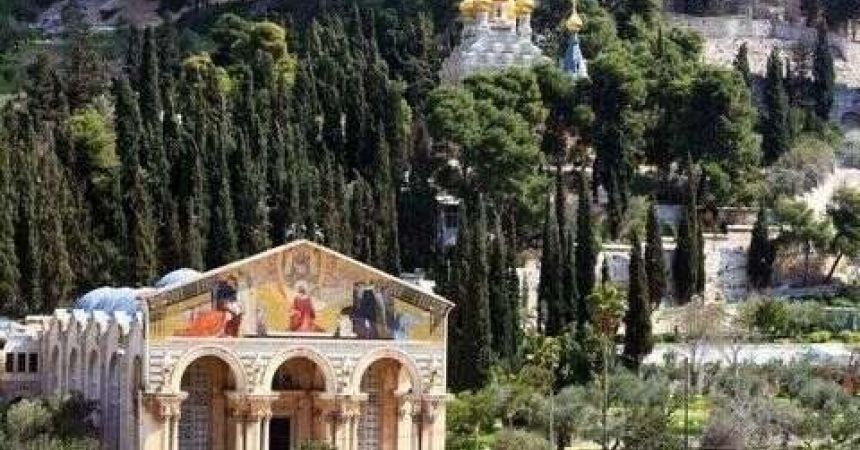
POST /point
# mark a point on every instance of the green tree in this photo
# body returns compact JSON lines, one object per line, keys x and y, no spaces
{"x":823,"y":76}
{"x":638,"y":341}
{"x":761,"y":253}
{"x":742,"y":64}
{"x":143,"y":260}
{"x":502,"y":303}
{"x":9,"y":275}
{"x":844,"y":213}
{"x":55,"y":262}
{"x":551,"y":301}
{"x":685,"y":265}
{"x":586,"y":251}
{"x":800,"y":227}
{"x":774,"y":122}
{"x":655,"y":264}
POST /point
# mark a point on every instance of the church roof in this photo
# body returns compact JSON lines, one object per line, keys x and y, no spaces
{"x":111,"y":299}
{"x":187,"y":284}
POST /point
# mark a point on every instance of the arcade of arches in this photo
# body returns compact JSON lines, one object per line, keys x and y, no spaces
{"x":298,"y":404}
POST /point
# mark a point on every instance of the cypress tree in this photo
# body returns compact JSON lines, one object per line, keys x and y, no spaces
{"x":460,"y":362}
{"x":143,"y":261}
{"x":386,"y":207}
{"x":742,"y":64}
{"x":27,"y":245}
{"x":761,"y":253}
{"x":586,"y":252}
{"x":55,"y":263}
{"x":221,"y":244}
{"x":479,"y":333}
{"x":361,"y":207}
{"x":501,"y":305}
{"x":251,"y":213}
{"x":655,"y":265}
{"x":774,"y":123}
{"x":550,"y":287}
{"x":685,"y":265}
{"x":150,"y":92}
{"x":9,"y":275}
{"x":823,"y":75}
{"x":169,"y":232}
{"x":638,"y":341}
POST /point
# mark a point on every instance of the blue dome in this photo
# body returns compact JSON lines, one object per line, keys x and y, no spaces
{"x":109,"y":299}
{"x":177,"y":276}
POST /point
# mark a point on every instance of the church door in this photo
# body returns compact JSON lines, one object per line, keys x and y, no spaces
{"x":195,"y":426}
{"x":370,"y":422}
{"x":279,"y":433}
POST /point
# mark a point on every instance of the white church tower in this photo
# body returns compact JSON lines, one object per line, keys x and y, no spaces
{"x":497,"y":36}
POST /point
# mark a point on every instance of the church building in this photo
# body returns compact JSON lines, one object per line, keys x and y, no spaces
{"x":295,"y":345}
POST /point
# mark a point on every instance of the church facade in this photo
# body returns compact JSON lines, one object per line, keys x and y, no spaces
{"x":294,"y":345}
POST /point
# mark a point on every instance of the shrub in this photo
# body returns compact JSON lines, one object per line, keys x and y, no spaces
{"x":510,"y":439}
{"x":818,"y":337}
{"x":849,"y":337}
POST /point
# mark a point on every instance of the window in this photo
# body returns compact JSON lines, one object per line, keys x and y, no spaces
{"x":34,"y":363}
{"x":10,"y":363}
{"x":22,"y":362}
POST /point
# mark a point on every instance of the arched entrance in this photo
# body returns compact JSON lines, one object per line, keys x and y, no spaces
{"x":203,"y":422}
{"x":56,"y":371}
{"x":113,"y":415}
{"x":296,"y":383}
{"x":74,"y":376}
{"x":93,"y":375}
{"x":380,"y":426}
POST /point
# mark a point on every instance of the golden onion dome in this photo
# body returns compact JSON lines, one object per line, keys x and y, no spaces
{"x":468,"y":7}
{"x":574,"y":22}
{"x":483,"y":5}
{"x":524,"y":7}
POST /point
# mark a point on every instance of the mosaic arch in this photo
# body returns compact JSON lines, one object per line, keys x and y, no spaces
{"x":297,"y":290}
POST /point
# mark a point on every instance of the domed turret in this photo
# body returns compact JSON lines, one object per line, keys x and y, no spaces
{"x":574,"y":22}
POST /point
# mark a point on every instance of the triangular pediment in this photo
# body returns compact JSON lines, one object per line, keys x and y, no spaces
{"x":300,"y":288}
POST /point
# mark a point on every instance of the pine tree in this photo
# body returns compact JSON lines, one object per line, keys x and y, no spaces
{"x":655,"y":265}
{"x":823,"y":75}
{"x":774,"y":122}
{"x":760,"y":254}
{"x":551,"y":312}
{"x":9,"y":275}
{"x":742,"y":64}
{"x":638,"y":341}
{"x":586,"y":252}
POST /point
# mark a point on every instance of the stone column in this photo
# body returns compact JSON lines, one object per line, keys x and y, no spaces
{"x":433,"y":409}
{"x":167,"y":410}
{"x":237,"y":408}
{"x":348,"y":409}
{"x":405,"y":405}
{"x":258,"y":414}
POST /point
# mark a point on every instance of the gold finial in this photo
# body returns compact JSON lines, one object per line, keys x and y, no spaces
{"x":574,"y":22}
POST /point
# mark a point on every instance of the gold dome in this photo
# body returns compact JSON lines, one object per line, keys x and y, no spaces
{"x":483,"y":5}
{"x":574,"y":22}
{"x":467,"y":8}
{"x":523,"y":7}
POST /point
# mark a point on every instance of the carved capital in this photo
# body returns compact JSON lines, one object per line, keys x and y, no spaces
{"x":250,"y":406}
{"x":432,"y":405}
{"x":164,"y":406}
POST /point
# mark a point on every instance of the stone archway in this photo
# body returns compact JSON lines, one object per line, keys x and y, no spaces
{"x":296,"y":386}
{"x":93,"y":375}
{"x":203,"y":423}
{"x":73,"y":383}
{"x":385,"y":383}
{"x":112,"y":402}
